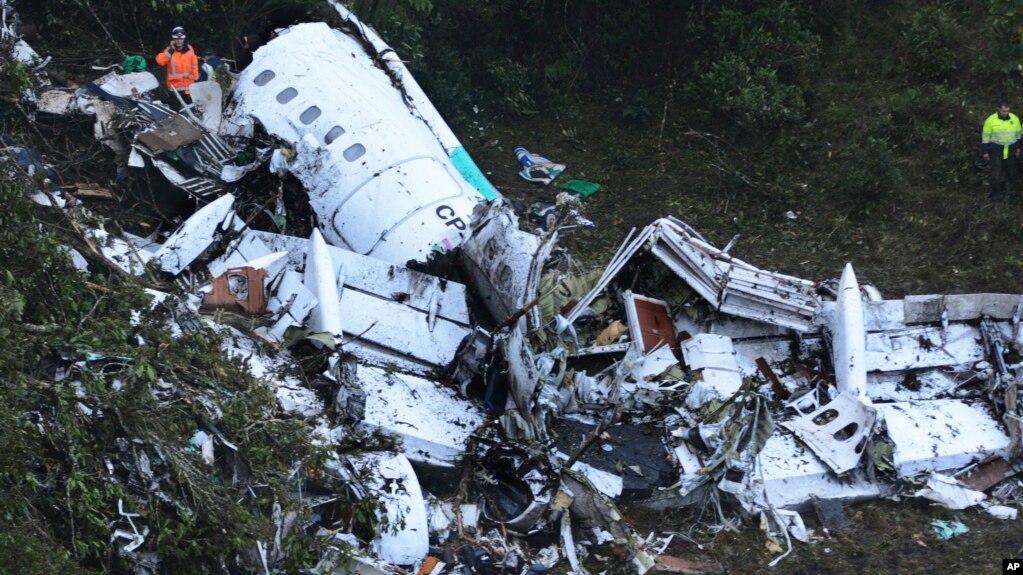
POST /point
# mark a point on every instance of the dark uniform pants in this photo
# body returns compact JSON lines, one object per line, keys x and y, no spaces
{"x":1003,"y":174}
{"x":175,"y":102}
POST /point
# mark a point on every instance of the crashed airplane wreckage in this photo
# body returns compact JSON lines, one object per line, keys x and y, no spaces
{"x":769,"y":394}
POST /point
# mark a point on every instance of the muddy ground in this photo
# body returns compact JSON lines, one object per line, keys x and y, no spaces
{"x":920,"y":240}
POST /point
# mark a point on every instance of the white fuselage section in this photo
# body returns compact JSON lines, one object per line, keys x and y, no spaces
{"x":378,"y":178}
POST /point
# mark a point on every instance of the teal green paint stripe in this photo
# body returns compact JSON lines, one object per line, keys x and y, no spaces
{"x":472,"y":174}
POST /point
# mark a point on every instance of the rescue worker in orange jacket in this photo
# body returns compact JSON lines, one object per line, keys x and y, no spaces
{"x":182,"y":66}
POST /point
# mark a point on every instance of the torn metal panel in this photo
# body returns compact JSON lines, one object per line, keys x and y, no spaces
{"x":472,"y":360}
{"x":45,"y":188}
{"x":590,"y":508}
{"x":777,"y":351}
{"x":964,"y":307}
{"x":877,"y":315}
{"x":291,"y":302}
{"x":626,"y":251}
{"x":207,"y":98}
{"x":128,"y":85}
{"x":731,"y":285}
{"x":433,"y":423}
{"x":197,"y":186}
{"x":107,"y":128}
{"x":923,"y":347}
{"x":519,"y":488}
{"x":378,"y":178}
{"x":949,"y":492}
{"x":498,"y":260}
{"x":398,"y":329}
{"x":57,"y":101}
{"x":837,"y":431}
{"x":381,"y":279}
{"x":649,"y":323}
{"x":652,"y":365}
{"x":713,"y":358}
{"x":189,"y":156}
{"x":169,"y":134}
{"x":391,"y":477}
{"x":131,"y":254}
{"x":248,"y":250}
{"x":941,"y":435}
{"x":609,"y":484}
{"x":737,"y":328}
{"x":197,"y":234}
{"x":918,"y":385}
{"x":988,"y":474}
{"x":293,"y":397}
{"x":77,"y":259}
{"x":298,"y":401}
{"x":523,"y":377}
{"x":793,"y":476}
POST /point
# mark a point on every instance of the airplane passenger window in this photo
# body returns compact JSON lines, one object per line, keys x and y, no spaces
{"x":504,"y":275}
{"x":287,"y":95}
{"x":264,"y":78}
{"x":333,"y":134}
{"x":354,"y":152}
{"x":309,"y":115}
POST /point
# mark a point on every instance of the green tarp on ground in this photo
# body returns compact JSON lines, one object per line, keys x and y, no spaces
{"x":581,"y":187}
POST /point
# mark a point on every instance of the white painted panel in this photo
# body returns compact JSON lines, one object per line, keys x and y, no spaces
{"x":941,"y":435}
{"x":400,"y":328}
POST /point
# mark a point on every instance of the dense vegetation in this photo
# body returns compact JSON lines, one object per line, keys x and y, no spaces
{"x":859,"y":117}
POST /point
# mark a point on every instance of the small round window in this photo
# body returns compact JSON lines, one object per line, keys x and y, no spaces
{"x":309,"y":115}
{"x":264,"y":78}
{"x":354,"y":152}
{"x":333,"y":134}
{"x":287,"y":95}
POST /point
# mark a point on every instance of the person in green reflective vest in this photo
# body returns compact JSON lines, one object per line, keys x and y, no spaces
{"x":1000,"y":142}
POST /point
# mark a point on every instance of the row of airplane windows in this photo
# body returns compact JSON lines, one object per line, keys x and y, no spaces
{"x":309,"y":115}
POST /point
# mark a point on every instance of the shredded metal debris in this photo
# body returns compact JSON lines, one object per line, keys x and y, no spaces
{"x":717,"y":383}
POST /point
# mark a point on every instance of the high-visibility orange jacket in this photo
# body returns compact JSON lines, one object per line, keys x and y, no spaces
{"x":182,"y":67}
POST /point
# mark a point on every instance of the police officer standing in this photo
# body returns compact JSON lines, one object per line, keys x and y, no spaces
{"x":1001,"y":146}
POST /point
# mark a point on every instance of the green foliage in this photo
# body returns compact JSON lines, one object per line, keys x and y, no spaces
{"x":1007,"y":33}
{"x":927,"y":42}
{"x":768,"y":33}
{"x":26,"y":553}
{"x":752,"y":98}
{"x":508,"y":84}
{"x":68,"y":446}
{"x":424,"y":6}
{"x":14,"y":78}
{"x":637,"y":110}
{"x":752,"y":59}
{"x":619,"y":154}
{"x":865,"y":173}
